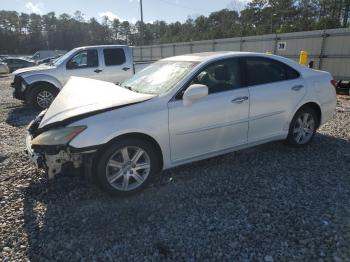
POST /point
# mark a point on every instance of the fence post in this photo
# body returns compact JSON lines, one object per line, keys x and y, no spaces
{"x":173,"y":50}
{"x":276,"y":41}
{"x":151,"y":52}
{"x":241,"y":44}
{"x":323,"y":45}
{"x":141,"y":57}
{"x":161,"y":51}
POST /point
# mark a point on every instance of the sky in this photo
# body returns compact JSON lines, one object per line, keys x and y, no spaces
{"x":167,"y":10}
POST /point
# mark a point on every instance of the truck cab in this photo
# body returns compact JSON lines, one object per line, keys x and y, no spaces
{"x":39,"y":85}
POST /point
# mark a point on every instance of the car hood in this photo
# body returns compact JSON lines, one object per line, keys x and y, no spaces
{"x":33,"y":69}
{"x":83,"y":96}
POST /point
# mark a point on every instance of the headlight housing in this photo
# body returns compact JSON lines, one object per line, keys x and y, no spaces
{"x":23,"y":86}
{"x":59,"y":136}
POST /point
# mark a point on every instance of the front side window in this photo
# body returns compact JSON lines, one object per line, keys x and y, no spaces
{"x":220,"y":76}
{"x":159,"y":77}
{"x":114,"y":56}
{"x":264,"y":70}
{"x":83,"y":59}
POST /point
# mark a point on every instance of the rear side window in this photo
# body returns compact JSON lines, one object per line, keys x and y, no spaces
{"x":263,"y":70}
{"x":114,"y":56}
{"x":291,"y":73}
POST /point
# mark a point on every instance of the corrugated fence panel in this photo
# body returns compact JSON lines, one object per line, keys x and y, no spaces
{"x":146,"y":53}
{"x":259,"y":44}
{"x":338,"y":67}
{"x":181,"y":49}
{"x":202,"y":46}
{"x":136,"y":53}
{"x":231,"y":44}
{"x":328,"y":49}
{"x":295,"y":42}
{"x":168,"y":50}
{"x":156,"y":53}
{"x":338,"y":42}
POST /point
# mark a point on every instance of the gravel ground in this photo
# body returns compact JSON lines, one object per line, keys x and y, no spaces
{"x":268,"y":203}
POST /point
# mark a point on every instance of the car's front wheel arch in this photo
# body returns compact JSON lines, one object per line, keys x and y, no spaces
{"x":131,"y":157}
{"x":135,"y":135}
{"x":33,"y":88}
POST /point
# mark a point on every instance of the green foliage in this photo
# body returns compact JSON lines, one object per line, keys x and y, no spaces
{"x":27,"y":33}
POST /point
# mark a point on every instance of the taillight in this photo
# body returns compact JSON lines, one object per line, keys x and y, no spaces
{"x":334,"y":83}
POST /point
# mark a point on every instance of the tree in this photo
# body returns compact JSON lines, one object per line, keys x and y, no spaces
{"x":27,"y":33}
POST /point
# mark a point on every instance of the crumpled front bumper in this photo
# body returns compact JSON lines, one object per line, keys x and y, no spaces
{"x":53,"y":161}
{"x":36,"y":158}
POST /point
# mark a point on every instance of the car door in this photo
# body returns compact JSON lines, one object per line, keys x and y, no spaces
{"x":84,"y":63}
{"x":117,"y":65}
{"x":216,"y":122}
{"x":275,"y":90}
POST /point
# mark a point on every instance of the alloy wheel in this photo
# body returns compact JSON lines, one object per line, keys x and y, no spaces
{"x":304,"y":128}
{"x":44,"y":98}
{"x":128,"y":168}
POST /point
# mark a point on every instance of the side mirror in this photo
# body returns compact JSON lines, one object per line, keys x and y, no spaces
{"x":72,"y":65}
{"x":193,"y":93}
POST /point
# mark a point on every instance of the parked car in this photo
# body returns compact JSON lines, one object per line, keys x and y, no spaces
{"x":178,"y":110}
{"x":16,"y":63}
{"x":343,"y":87}
{"x":43,"y":54}
{"x":4,"y":68}
{"x":38,"y":86}
{"x":48,"y":60}
{"x":3,"y":57}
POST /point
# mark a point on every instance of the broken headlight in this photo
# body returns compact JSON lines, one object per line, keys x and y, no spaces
{"x":59,"y":136}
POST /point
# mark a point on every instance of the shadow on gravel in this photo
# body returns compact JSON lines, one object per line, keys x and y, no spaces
{"x":290,"y":204}
{"x":20,"y":115}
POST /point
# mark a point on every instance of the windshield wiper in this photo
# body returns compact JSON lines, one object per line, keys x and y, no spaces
{"x":131,"y":89}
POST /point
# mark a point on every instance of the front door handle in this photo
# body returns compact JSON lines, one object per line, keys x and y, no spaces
{"x":98,"y":71}
{"x":240,"y":99}
{"x":126,"y":68}
{"x":297,"y":87}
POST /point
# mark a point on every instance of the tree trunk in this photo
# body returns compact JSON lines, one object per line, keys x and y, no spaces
{"x":346,"y":13}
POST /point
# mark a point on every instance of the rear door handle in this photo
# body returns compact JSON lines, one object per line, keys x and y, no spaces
{"x":297,"y":87}
{"x":98,"y":71}
{"x":240,"y":99}
{"x":126,"y":68}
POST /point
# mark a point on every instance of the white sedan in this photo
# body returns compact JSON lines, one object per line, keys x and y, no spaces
{"x":178,"y":110}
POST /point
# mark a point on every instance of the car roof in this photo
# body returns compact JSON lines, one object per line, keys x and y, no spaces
{"x":207,"y":56}
{"x":99,"y":46}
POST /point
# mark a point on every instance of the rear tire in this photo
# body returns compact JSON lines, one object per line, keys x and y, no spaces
{"x":127,"y":166}
{"x":41,"y":96}
{"x":303,"y":127}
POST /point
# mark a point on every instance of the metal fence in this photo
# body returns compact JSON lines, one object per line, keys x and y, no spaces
{"x":328,"y":49}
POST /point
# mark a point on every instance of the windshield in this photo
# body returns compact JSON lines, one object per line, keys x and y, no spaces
{"x":59,"y":60}
{"x":159,"y":77}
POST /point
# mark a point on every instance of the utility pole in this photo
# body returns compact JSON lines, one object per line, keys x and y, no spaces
{"x":141,"y":25}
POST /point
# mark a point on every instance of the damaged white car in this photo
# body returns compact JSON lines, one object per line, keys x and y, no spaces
{"x":178,"y":110}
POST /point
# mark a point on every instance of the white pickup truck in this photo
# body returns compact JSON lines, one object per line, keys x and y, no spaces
{"x":39,"y":85}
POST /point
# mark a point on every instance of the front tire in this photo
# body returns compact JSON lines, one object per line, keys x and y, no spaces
{"x":302,"y":128}
{"x":41,"y":96}
{"x":127,"y":166}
